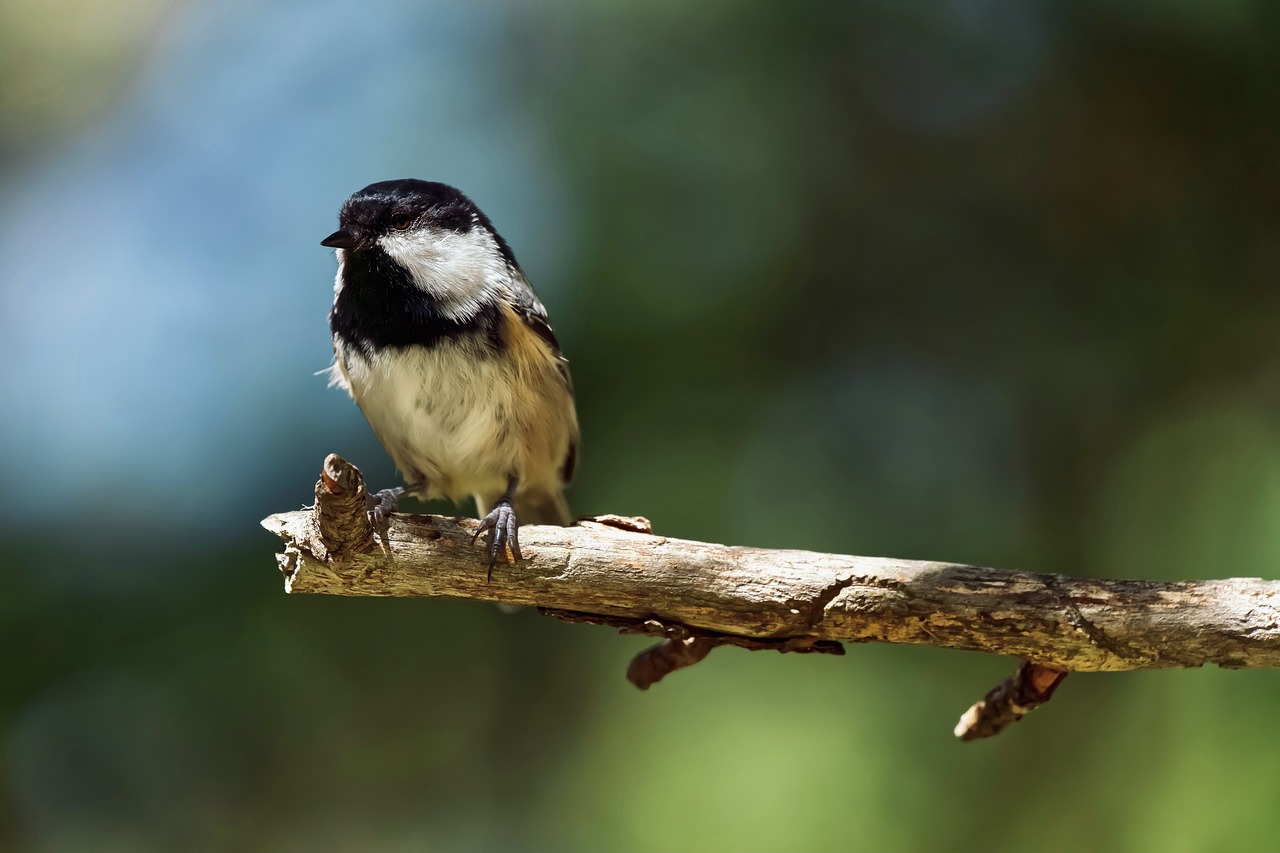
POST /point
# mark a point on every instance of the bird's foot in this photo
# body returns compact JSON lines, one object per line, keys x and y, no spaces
{"x":381,"y":505}
{"x":502,"y":521}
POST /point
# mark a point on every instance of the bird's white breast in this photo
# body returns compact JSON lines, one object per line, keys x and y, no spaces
{"x":443,"y":414}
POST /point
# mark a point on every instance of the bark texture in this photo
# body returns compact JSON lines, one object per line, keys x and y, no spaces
{"x":697,"y":595}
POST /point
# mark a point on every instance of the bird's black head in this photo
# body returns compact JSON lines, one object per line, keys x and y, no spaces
{"x":407,"y":205}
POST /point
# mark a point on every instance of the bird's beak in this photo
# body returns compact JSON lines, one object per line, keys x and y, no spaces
{"x":343,"y":238}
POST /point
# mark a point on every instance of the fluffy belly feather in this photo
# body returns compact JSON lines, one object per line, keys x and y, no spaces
{"x":461,"y":423}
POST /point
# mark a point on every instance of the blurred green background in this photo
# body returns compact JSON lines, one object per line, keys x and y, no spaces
{"x":989,"y":281}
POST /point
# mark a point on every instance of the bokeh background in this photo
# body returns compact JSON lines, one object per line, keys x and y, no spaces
{"x":990,"y":281}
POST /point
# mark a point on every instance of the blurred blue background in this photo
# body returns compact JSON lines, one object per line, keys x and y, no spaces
{"x":985,"y":280}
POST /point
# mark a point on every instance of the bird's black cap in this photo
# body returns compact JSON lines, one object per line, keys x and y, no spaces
{"x":404,"y":204}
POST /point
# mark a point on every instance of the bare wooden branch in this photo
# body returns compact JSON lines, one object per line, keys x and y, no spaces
{"x":696,"y":595}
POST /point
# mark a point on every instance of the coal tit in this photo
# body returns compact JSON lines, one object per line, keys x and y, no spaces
{"x":445,"y":346}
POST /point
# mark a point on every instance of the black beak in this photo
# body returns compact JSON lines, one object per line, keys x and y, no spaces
{"x":343,"y":238}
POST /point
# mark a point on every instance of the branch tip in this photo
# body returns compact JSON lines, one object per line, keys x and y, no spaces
{"x":657,"y":662}
{"x":1009,"y":701}
{"x":339,"y":477}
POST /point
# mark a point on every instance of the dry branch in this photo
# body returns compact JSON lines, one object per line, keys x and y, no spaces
{"x":697,"y":595}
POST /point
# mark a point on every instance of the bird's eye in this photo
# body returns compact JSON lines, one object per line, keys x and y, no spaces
{"x":401,"y":221}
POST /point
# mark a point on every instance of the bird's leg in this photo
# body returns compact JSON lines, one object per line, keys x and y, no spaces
{"x":502,"y":521}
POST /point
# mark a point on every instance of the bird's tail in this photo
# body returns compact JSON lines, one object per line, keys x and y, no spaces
{"x":533,"y":508}
{"x":543,"y":508}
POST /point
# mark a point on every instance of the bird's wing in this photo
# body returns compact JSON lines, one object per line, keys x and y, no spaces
{"x":534,"y":314}
{"x":529,"y":308}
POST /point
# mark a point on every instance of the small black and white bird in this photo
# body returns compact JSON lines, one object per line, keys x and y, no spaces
{"x":445,"y":346}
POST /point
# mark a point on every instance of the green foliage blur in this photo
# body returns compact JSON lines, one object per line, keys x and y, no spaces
{"x":985,"y":281}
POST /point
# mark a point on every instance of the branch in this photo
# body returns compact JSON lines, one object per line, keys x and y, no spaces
{"x":697,"y":595}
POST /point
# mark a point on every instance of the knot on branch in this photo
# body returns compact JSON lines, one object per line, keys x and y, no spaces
{"x":342,"y":507}
{"x":685,"y":646}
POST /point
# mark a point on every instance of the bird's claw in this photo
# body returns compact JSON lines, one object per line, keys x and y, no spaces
{"x":502,"y":521}
{"x":381,"y":505}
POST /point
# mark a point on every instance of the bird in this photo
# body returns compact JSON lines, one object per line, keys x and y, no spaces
{"x":448,"y":351}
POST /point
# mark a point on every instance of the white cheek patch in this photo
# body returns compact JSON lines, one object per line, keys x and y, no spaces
{"x":462,"y":271}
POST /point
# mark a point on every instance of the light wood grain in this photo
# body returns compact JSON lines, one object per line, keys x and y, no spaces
{"x":786,"y":599}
